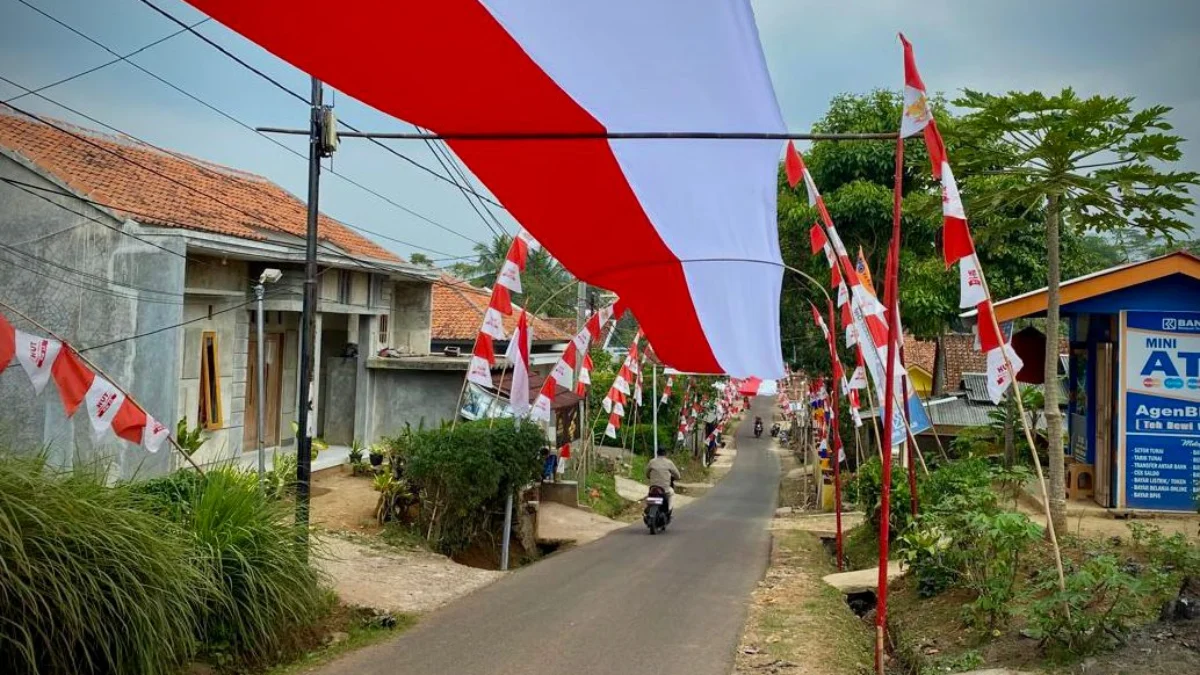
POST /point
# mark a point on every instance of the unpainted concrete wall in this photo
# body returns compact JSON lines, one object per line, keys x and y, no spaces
{"x":412,"y":396}
{"x":94,"y":284}
{"x":412,"y":317}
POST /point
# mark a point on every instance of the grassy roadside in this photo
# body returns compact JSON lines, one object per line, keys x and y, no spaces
{"x":797,"y":623}
{"x":357,"y":634}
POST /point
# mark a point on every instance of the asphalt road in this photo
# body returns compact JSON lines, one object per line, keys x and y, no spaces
{"x":628,"y":603}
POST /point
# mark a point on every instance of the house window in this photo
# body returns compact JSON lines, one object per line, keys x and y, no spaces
{"x":210,"y":382}
{"x":345,"y":281}
{"x":383,"y":330}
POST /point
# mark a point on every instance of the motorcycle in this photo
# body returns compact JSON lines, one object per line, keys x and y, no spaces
{"x":758,"y":429}
{"x":775,"y":430}
{"x":657,"y":514}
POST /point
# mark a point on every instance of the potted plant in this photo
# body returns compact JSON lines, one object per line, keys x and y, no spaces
{"x":376,"y":456}
{"x":356,"y":451}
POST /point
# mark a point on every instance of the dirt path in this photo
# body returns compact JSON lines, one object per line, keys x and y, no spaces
{"x":376,"y":575}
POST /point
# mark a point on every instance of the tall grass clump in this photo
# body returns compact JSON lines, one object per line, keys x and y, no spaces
{"x":249,"y":550}
{"x":91,"y":582}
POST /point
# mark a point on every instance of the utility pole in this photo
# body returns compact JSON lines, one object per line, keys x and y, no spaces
{"x":585,"y":431}
{"x":654,"y":406}
{"x":308,"y":318}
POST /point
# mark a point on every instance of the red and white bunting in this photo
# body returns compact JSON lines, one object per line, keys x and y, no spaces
{"x":107,"y":405}
{"x":36,"y":355}
{"x":667,"y":390}
{"x":957,"y":245}
{"x":563,"y":372}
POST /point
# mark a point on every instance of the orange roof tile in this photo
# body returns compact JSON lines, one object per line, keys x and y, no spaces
{"x":458,"y":309}
{"x":171,"y":189}
{"x":919,"y":353}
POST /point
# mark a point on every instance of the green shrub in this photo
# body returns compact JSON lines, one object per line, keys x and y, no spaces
{"x":640,"y":437}
{"x":464,"y":474}
{"x":252,"y":555}
{"x":991,"y":548}
{"x":90,"y":581}
{"x":1168,"y":554}
{"x":1104,"y":604}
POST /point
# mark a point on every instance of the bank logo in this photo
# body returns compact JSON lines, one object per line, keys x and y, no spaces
{"x":1150,"y":382}
{"x":1193,"y":383}
{"x":1169,"y":323}
{"x":1173,"y":383}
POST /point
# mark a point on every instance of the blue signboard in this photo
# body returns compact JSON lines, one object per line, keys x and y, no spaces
{"x":1160,"y":387}
{"x":918,"y":421}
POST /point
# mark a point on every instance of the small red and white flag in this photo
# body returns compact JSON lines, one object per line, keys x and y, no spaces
{"x":493,"y":316}
{"x":667,"y":390}
{"x":154,"y":434}
{"x":585,"y":376}
{"x":518,"y":355}
{"x":73,"y":379}
{"x":971,"y":290}
{"x":479,"y":370}
{"x":8,"y":343}
{"x":999,"y":374}
{"x":614,"y":423}
{"x":916,"y":115}
{"x":36,"y":355}
{"x":514,"y":264}
{"x":103,"y":400}
{"x":956,"y":236}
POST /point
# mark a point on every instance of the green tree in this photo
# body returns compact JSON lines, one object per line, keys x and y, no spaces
{"x":420,"y":259}
{"x":543,"y":280}
{"x":1086,"y":164}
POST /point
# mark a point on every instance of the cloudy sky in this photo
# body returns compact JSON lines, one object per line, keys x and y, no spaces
{"x":815,"y":50}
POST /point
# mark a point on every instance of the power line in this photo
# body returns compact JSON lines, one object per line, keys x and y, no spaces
{"x":93,"y":289}
{"x":224,"y":114}
{"x":284,"y":88}
{"x":106,"y":64}
{"x":82,"y":273}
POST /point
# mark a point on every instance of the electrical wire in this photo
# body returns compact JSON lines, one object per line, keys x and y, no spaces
{"x":82,"y":273}
{"x":108,"y":63}
{"x":193,"y":162}
{"x":284,"y":88}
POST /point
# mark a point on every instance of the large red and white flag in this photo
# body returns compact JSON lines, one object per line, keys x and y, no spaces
{"x":518,"y":355}
{"x":680,"y":230}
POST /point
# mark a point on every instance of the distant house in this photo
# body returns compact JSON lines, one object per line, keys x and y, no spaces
{"x":458,"y":309}
{"x":147,"y":259}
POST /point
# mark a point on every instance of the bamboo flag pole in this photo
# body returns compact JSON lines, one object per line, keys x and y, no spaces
{"x":891,"y":277}
{"x":99,"y":370}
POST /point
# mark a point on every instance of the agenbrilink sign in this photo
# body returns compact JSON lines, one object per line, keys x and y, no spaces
{"x":1160,"y":409}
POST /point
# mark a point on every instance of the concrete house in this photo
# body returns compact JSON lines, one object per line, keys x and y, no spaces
{"x":145,"y":260}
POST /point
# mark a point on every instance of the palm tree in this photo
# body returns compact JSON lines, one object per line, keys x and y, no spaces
{"x":1093,"y":164}
{"x":544,"y":281}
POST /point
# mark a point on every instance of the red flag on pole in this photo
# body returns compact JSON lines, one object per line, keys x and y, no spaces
{"x":793,"y":165}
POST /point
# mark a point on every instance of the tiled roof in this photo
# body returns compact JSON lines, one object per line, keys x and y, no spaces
{"x":170,"y":189}
{"x":458,"y":309}
{"x":919,"y":352}
{"x":961,"y":357}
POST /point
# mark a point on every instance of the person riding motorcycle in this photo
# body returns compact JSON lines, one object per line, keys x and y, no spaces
{"x":758,"y":427}
{"x":662,"y":473}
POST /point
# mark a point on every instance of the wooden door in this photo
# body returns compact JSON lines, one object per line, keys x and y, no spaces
{"x":273,"y":365}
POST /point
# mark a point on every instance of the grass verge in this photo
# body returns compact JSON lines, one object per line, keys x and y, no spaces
{"x":797,"y":620}
{"x":357,"y":632}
